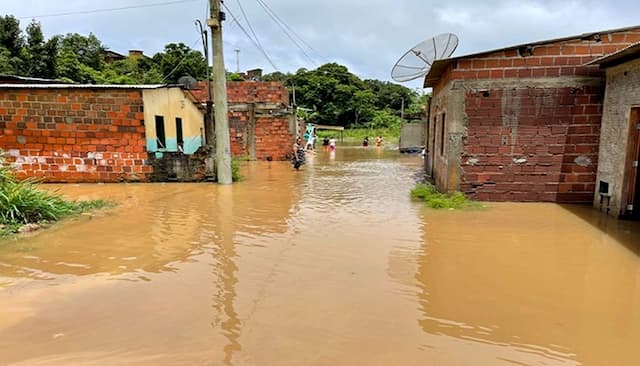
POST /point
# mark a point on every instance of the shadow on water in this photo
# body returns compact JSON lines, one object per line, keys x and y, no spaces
{"x":624,"y":232}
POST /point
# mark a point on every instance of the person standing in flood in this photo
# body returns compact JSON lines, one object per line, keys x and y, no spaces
{"x":332,"y":144}
{"x":297,"y":154}
{"x":379,"y":141}
{"x":365,"y":142}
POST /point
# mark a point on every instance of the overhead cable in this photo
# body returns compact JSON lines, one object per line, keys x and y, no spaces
{"x":286,"y":29}
{"x":104,"y":10}
{"x":262,"y":50}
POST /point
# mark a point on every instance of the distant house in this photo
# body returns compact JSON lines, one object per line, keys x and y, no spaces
{"x":261,"y":124}
{"x":618,"y":175}
{"x":521,"y":123}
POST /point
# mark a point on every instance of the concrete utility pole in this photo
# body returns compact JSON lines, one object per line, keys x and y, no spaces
{"x":209,"y":127}
{"x":223,"y":145}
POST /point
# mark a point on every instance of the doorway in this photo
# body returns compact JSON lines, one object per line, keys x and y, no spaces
{"x":631,"y":194}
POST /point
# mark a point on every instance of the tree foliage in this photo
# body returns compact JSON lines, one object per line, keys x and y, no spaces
{"x":332,"y":95}
{"x":329,"y":94}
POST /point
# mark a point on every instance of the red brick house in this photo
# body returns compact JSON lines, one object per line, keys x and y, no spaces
{"x":261,"y":124}
{"x":521,"y":123}
{"x":74,"y":133}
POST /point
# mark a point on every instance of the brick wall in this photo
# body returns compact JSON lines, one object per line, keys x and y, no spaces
{"x":532,"y":144}
{"x":74,"y":135}
{"x":530,"y":119}
{"x":563,"y":58}
{"x":273,"y":138}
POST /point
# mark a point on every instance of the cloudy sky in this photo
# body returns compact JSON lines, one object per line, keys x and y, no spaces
{"x":365,"y":35}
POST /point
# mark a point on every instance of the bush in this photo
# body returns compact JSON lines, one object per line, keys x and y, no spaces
{"x":434,"y":199}
{"x":235,"y":170}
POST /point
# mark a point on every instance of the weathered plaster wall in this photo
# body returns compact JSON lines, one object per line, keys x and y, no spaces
{"x":74,"y":135}
{"x":622,"y":93}
{"x":172,"y":103}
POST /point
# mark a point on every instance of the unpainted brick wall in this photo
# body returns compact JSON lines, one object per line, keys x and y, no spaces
{"x":272,"y":135}
{"x":553,"y":124}
{"x":532,"y":144}
{"x":74,"y":135}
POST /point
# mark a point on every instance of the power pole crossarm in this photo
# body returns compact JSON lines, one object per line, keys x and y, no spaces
{"x":223,"y":145}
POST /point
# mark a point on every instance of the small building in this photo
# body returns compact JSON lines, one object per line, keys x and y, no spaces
{"x":75,"y":133}
{"x":174,"y":121}
{"x":521,"y":123}
{"x":262,"y":125}
{"x":618,"y":175}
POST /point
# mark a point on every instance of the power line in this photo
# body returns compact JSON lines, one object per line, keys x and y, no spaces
{"x":249,"y":24}
{"x":249,"y":36}
{"x":104,"y":10}
{"x":285,"y":28}
{"x":181,"y":61}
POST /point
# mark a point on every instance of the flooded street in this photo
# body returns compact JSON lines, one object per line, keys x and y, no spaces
{"x":332,"y":265}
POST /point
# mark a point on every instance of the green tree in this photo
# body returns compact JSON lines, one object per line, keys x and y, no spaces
{"x":40,"y":58}
{"x":11,"y":37}
{"x":88,"y":49}
{"x":11,"y":45}
{"x":179,"y":60}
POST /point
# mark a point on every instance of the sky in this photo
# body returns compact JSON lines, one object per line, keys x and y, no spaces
{"x":367,"y":36}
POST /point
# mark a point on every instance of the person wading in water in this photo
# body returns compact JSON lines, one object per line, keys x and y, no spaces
{"x":297,"y":154}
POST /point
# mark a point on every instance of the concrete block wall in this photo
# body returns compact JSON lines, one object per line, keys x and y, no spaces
{"x":74,"y":135}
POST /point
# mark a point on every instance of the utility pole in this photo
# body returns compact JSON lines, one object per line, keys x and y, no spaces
{"x":209,"y":128}
{"x":223,"y":149}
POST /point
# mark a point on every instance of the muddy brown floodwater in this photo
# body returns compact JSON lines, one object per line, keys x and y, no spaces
{"x":333,"y":265}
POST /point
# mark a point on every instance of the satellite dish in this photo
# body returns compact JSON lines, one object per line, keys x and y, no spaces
{"x":188,"y":82}
{"x":418,"y":60}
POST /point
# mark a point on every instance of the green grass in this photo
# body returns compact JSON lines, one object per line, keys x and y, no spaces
{"x":358,"y":134}
{"x":428,"y":194}
{"x":21,"y":203}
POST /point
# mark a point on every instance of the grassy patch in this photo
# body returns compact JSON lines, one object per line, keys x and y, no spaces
{"x":22,"y":203}
{"x":434,"y":199}
{"x":358,"y":134}
{"x":235,"y":170}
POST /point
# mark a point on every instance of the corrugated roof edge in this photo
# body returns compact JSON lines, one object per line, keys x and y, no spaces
{"x":430,"y":80}
{"x":613,"y":57}
{"x":86,"y":86}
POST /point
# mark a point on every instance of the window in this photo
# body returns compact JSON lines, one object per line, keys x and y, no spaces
{"x":161,"y":138}
{"x":442,"y":134}
{"x":179,"y":135}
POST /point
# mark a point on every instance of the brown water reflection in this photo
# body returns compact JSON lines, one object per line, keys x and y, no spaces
{"x":332,"y":265}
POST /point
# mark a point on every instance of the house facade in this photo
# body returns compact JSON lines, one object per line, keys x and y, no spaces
{"x":618,"y":176}
{"x":521,"y":123}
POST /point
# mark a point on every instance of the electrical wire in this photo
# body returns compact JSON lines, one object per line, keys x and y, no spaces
{"x":249,"y":25}
{"x":249,"y":36}
{"x":181,"y":61}
{"x":107,"y":9}
{"x":290,"y":29}
{"x":284,"y":27}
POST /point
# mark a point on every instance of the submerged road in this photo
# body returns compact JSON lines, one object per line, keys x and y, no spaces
{"x":332,"y":265}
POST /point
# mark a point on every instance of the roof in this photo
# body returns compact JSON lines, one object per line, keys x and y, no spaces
{"x":626,"y":54}
{"x":83,"y":86}
{"x":6,"y":78}
{"x":439,"y":66}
